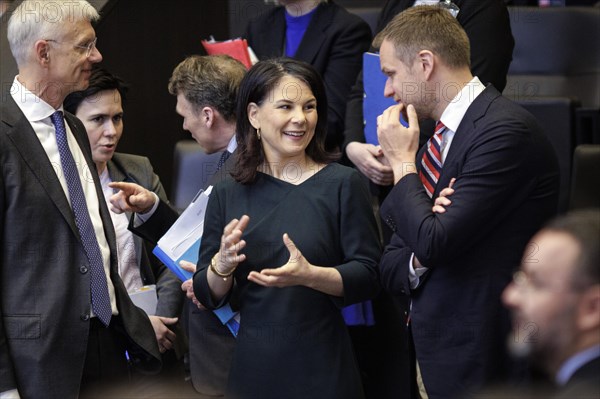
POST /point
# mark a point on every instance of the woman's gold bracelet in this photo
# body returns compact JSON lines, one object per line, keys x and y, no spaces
{"x":213,"y":267}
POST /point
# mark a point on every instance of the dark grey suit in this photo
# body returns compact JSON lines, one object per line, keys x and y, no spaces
{"x":44,"y":278}
{"x":210,"y":342}
{"x":138,"y":169}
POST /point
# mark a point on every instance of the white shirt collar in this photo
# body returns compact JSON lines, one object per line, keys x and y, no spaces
{"x":34,"y":108}
{"x":232,"y":144}
{"x":456,"y":110}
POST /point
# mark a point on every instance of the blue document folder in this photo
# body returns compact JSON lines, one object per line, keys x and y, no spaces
{"x":191,"y":255}
{"x":182,"y":242}
{"x":374,"y":103}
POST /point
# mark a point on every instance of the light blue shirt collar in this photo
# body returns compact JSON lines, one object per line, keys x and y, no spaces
{"x":232,"y":144}
{"x":574,"y":363}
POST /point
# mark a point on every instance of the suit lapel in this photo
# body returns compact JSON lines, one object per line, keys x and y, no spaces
{"x":315,"y":31}
{"x":33,"y":154}
{"x":81,"y":137}
{"x":116,"y":171}
{"x":464,"y":136}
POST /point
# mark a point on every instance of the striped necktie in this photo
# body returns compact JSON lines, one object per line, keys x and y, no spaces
{"x":223,"y":158}
{"x":431,"y":163}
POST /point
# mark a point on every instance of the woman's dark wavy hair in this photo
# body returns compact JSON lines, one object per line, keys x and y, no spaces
{"x":256,"y":86}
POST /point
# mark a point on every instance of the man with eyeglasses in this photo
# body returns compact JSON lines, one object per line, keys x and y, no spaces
{"x":67,"y":327}
{"x":555,"y":303}
{"x":88,"y":47}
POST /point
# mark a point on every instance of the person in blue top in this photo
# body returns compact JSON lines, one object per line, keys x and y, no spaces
{"x":322,"y":34}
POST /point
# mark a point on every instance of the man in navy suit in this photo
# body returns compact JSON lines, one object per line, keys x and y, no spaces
{"x":555,"y":303}
{"x":454,"y":260}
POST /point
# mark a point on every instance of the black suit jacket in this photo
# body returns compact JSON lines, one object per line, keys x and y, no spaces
{"x":44,"y":278}
{"x":211,"y":344}
{"x":487,"y":25}
{"x":333,"y":44}
{"x":583,"y":384}
{"x":506,"y":188}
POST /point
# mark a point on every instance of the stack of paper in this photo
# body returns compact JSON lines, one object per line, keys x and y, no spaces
{"x":182,"y":242}
{"x":145,"y":298}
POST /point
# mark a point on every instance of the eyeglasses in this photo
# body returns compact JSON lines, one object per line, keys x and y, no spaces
{"x":87,"y":47}
{"x":520,"y":278}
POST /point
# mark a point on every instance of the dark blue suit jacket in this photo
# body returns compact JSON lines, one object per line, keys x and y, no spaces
{"x":506,"y":188}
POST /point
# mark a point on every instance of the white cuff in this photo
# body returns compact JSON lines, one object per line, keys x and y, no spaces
{"x":141,"y":218}
{"x":414,"y":276}
{"x":12,"y":394}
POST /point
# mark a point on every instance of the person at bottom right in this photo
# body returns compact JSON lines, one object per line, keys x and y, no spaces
{"x":555,"y":303}
{"x":455,"y":264}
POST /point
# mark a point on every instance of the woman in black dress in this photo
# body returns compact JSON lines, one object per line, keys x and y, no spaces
{"x":292,"y":238}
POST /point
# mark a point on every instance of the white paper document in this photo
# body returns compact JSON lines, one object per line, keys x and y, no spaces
{"x":182,"y":240}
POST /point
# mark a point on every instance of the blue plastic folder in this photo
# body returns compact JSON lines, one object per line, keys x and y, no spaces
{"x":374,"y":103}
{"x":182,"y":242}
{"x":191,"y":255}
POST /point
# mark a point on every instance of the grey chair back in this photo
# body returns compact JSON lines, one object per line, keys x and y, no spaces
{"x":585,"y":190}
{"x":191,"y":171}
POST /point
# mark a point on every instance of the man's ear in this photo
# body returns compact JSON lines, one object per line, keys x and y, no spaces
{"x":42,"y":50}
{"x":426,"y":63}
{"x":208,"y":116}
{"x":253,"y":111}
{"x":588,"y":309}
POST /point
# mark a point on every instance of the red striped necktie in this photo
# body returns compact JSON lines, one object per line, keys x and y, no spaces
{"x":431,"y":164}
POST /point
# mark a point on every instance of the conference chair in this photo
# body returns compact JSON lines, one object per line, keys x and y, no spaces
{"x":585,"y":192}
{"x":191,"y":170}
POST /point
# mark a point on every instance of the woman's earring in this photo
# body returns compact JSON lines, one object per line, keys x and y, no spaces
{"x":258,"y":133}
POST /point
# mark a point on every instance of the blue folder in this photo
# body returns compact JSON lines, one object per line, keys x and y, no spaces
{"x":374,"y":103}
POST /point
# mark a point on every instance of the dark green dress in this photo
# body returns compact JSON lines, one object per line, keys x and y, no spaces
{"x":293,"y":342}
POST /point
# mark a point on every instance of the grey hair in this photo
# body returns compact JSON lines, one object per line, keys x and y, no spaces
{"x":39,"y":19}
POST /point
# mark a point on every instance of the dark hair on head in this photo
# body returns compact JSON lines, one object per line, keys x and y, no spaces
{"x":209,"y":80}
{"x":100,"y":80}
{"x":256,"y":86}
{"x":584,"y":227}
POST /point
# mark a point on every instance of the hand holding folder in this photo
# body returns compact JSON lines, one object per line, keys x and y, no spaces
{"x":182,"y":242}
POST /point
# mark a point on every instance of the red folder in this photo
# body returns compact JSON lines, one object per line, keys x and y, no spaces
{"x":236,"y":48}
